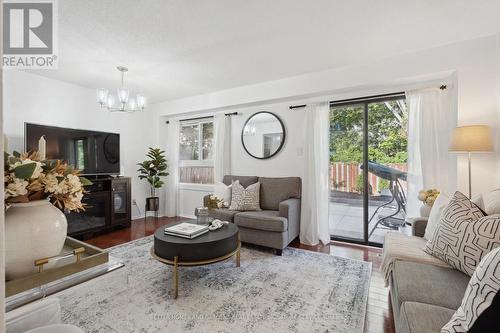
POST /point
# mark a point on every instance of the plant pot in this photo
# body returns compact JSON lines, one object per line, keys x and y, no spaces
{"x":33,"y":230}
{"x":425,"y":210}
{"x":152,"y":204}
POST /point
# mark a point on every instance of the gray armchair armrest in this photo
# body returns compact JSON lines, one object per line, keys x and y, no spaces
{"x":291,"y":210}
{"x":418,"y":225}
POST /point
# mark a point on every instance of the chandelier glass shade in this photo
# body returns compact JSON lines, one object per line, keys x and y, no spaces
{"x":123,"y":102}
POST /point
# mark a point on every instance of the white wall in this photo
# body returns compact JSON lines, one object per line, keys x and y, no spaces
{"x":191,"y":197}
{"x":288,"y":162}
{"x":471,"y":64}
{"x":36,"y":99}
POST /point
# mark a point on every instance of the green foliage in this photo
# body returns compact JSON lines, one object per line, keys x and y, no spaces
{"x":85,"y":181}
{"x":358,"y":186}
{"x":153,"y":169}
{"x":383,"y":184}
{"x":387,"y":133}
{"x":24,"y":171}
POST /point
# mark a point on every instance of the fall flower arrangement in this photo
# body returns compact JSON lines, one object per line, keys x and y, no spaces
{"x":213,"y":202}
{"x":428,"y":196}
{"x":26,"y":179}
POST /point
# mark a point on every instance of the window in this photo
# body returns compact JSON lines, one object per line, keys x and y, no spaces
{"x":196,"y":150}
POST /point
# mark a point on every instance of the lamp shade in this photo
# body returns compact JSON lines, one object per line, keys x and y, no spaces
{"x":475,"y":138}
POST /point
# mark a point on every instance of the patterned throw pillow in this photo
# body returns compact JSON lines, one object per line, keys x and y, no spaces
{"x":245,"y":199}
{"x":474,"y":314}
{"x":464,"y":235}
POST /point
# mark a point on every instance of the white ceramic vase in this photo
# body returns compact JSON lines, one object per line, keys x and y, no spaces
{"x":33,"y":230}
{"x":425,"y":210}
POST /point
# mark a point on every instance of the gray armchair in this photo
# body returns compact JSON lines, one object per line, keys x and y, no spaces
{"x":278,"y":223}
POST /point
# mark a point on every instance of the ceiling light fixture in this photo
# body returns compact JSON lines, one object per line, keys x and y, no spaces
{"x":125,"y":102}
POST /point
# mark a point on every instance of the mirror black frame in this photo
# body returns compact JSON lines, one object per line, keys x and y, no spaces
{"x":282,"y":141}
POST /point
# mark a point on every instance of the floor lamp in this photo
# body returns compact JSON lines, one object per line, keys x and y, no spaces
{"x":471,"y":139}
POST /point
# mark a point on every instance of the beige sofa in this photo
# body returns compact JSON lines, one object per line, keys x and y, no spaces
{"x":425,"y":292}
{"x":278,"y":223}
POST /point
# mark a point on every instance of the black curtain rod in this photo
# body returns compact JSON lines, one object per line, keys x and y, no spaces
{"x":369,"y":98}
{"x":189,"y":119}
{"x":291,"y":107}
{"x":199,"y":118}
{"x":360,"y":99}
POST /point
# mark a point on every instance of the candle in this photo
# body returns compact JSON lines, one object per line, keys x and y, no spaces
{"x":42,"y":148}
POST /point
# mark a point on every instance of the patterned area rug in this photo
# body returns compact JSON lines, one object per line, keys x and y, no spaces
{"x":301,"y":291}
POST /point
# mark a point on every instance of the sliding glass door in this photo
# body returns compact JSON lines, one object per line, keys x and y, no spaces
{"x":346,"y":180}
{"x":368,"y":155}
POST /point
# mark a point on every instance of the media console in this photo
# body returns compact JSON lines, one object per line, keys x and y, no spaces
{"x":108,"y":204}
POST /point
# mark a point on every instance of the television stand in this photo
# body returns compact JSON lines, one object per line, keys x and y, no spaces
{"x":108,"y":205}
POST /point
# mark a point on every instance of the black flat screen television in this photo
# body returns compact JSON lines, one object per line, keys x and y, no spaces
{"x":93,"y":152}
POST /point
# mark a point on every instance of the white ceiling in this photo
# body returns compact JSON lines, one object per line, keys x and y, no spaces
{"x":179,"y":48}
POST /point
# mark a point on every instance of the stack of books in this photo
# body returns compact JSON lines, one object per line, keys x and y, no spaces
{"x":186,"y":230}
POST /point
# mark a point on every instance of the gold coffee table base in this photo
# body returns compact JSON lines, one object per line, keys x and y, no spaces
{"x":176,"y":263}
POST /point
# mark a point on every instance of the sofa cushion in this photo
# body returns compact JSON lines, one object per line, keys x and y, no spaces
{"x":223,"y":214}
{"x":401,"y":247}
{"x":435,"y":215}
{"x":423,"y":283}
{"x":245,"y":199}
{"x":464,"y":235}
{"x":267,"y":220}
{"x":275,"y":190}
{"x":479,"y":297}
{"x":223,"y":192}
{"x":422,"y":318}
{"x":491,"y":202}
{"x":244,"y":180}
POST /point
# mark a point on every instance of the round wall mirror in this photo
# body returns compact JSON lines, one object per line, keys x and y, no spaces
{"x":263,"y":135}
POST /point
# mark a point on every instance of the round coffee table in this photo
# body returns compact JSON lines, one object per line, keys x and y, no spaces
{"x":209,"y":248}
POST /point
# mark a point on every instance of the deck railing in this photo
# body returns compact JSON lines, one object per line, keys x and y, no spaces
{"x":344,"y":177}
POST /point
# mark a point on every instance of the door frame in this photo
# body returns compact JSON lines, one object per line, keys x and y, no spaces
{"x":365,"y":101}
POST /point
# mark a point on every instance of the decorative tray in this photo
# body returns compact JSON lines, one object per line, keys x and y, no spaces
{"x":76,"y":256}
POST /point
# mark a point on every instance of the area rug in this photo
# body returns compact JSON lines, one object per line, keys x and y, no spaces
{"x":301,"y":291}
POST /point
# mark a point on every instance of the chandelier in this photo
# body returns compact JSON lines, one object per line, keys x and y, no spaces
{"x":126,"y":103}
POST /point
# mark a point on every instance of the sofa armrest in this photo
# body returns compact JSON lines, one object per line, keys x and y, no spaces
{"x":418,"y":225}
{"x":291,"y":210}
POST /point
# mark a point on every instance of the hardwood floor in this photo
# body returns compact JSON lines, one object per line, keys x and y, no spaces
{"x":379,"y":312}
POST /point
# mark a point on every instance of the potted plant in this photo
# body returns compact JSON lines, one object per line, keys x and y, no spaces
{"x":152,"y":170}
{"x":34,"y":228}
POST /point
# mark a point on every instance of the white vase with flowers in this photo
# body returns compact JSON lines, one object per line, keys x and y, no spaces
{"x":427,"y":197}
{"x":36,"y":193}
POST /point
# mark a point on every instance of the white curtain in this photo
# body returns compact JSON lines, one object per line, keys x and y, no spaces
{"x":432,"y":116}
{"x":222,"y":135}
{"x":172,"y":152}
{"x":315,"y":191}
